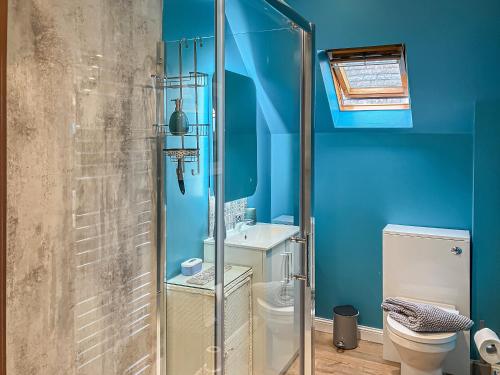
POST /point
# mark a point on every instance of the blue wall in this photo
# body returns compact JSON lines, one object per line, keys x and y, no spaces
{"x":450,"y":46}
{"x":486,"y":238}
{"x":187,"y":215}
{"x":285,"y":178}
{"x":369,"y":179}
{"x":423,"y":176}
{"x":261,"y":200}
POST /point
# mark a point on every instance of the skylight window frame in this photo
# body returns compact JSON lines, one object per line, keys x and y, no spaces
{"x":363,"y":55}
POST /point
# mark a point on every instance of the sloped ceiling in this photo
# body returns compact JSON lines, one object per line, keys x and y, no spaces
{"x":453,"y":47}
{"x":259,"y":43}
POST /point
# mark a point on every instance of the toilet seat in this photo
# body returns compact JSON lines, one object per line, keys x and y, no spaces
{"x":420,"y":353}
{"x":420,"y":337}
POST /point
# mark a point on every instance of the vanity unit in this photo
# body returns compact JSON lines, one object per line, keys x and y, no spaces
{"x":190,"y":323}
{"x":269,"y":251}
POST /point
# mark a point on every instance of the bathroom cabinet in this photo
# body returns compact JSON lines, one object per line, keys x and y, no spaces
{"x":190,"y":324}
{"x":275,"y":327}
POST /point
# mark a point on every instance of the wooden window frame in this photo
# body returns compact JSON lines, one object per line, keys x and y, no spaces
{"x":341,"y":83}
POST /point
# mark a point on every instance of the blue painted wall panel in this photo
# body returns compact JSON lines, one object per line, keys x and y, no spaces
{"x":261,"y":200}
{"x":187,"y":215}
{"x":486,"y":235}
{"x":285,"y":169}
{"x":367,"y":180}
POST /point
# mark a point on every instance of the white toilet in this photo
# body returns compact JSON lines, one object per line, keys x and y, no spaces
{"x":427,"y":265}
{"x":420,"y":353}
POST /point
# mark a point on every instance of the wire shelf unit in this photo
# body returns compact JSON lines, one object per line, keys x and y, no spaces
{"x":193,"y":80}
{"x":189,"y":142}
{"x":187,"y":155}
{"x":194,"y":130}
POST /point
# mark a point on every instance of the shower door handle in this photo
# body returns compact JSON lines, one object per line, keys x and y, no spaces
{"x":308,"y":255}
{"x":303,"y":242}
{"x":305,"y":245}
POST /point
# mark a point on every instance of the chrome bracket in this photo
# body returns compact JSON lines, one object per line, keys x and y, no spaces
{"x":300,"y":277}
{"x":297,"y":239}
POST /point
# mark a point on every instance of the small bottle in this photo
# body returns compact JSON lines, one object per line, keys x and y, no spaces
{"x":178,"y":124}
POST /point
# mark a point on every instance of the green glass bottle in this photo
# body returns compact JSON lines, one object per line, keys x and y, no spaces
{"x":178,"y":124}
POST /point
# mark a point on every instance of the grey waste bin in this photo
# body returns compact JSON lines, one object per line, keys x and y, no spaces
{"x":345,"y":327}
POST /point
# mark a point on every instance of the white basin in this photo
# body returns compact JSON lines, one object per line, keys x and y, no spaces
{"x":260,"y":236}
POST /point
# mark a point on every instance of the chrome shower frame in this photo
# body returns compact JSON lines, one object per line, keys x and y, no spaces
{"x":161,"y":245}
{"x":306,"y":235}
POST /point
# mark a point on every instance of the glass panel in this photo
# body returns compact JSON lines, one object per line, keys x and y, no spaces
{"x":374,"y":101}
{"x":82,"y":188}
{"x":262,"y":152}
{"x":372,"y":74}
{"x":190,"y":290}
{"x":252,"y":16}
{"x":261,"y":181}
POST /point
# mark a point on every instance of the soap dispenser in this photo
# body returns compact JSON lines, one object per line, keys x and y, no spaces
{"x":178,"y":124}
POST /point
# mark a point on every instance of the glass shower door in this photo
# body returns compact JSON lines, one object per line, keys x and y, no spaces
{"x":237,"y":148}
{"x":263,"y":233}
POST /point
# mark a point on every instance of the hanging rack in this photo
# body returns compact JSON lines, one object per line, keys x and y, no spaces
{"x":191,"y":81}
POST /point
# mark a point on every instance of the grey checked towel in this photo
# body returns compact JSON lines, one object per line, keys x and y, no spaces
{"x":421,"y":317}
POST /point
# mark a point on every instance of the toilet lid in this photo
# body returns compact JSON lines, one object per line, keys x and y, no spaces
{"x":424,"y":338}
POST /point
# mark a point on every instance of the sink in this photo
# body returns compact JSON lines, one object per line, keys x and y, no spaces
{"x":261,"y":236}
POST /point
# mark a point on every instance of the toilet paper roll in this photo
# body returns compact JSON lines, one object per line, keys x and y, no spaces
{"x":488,"y":344}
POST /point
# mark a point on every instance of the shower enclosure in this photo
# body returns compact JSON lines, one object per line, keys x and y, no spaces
{"x":234,"y":119}
{"x":159,"y":188}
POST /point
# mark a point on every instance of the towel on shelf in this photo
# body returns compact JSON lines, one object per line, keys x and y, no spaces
{"x":420,"y":317}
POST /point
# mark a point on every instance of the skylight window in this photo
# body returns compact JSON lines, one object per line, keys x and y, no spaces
{"x":372,"y":78}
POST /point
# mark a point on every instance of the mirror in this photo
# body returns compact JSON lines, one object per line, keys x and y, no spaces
{"x":241,"y":137}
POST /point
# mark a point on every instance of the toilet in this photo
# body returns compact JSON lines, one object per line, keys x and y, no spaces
{"x":421,"y":353}
{"x":432,"y":266}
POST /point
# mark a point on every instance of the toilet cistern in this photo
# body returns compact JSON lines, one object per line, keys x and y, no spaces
{"x":430,"y":266}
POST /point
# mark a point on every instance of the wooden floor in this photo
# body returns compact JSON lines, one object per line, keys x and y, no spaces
{"x":366,"y":359}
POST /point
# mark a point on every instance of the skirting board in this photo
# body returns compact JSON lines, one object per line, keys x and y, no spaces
{"x":365,"y":333}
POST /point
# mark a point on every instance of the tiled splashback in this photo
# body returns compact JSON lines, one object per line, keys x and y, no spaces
{"x":234,"y":212}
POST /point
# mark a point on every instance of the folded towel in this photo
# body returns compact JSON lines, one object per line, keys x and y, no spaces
{"x":421,"y":317}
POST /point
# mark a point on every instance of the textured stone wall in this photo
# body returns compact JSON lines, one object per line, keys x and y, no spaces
{"x":81,"y":254}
